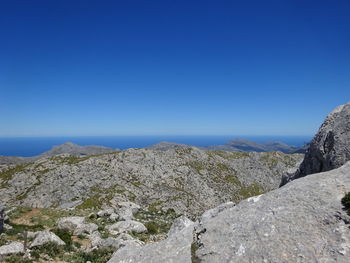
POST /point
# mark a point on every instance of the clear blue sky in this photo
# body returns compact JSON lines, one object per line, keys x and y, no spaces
{"x":171,"y":67}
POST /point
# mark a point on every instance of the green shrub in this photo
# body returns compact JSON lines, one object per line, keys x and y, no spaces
{"x":101,"y":255}
{"x":16,"y":259}
{"x":346,"y":202}
{"x":64,"y":235}
{"x":152,"y":227}
{"x":51,"y":249}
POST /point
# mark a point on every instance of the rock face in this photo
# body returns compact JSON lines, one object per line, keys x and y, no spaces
{"x":188,"y":180}
{"x":303,"y":221}
{"x":44,"y":237}
{"x":2,"y":218}
{"x":176,"y":248}
{"x":330,"y":148}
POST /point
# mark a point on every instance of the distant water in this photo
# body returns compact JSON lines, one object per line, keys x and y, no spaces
{"x":30,"y":146}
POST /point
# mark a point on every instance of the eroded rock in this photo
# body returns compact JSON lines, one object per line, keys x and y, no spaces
{"x":44,"y":237}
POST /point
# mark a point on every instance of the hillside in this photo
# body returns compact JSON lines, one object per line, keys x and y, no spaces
{"x":188,"y":180}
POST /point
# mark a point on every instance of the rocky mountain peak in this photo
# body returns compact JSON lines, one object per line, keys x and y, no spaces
{"x":330,"y":148}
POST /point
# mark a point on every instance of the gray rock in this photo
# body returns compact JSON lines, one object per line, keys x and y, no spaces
{"x":176,"y":248}
{"x":76,"y":225}
{"x":127,"y":226}
{"x":303,"y":221}
{"x":12,"y":248}
{"x":125,"y":210}
{"x":2,"y":218}
{"x":44,"y":237}
{"x":216,"y":210}
{"x":113,"y":242}
{"x":179,"y":224}
{"x":113,"y":217}
{"x":330,"y":148}
{"x":105,"y":213}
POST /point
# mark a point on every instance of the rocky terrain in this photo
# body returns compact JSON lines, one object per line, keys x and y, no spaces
{"x":188,"y":180}
{"x":181,"y":205}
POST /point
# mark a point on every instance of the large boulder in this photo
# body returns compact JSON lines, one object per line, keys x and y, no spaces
{"x":76,"y":225}
{"x":330,"y":148}
{"x":12,"y":248}
{"x":176,"y":248}
{"x":113,"y":242}
{"x":2,"y":218}
{"x":303,"y":221}
{"x":127,"y":226}
{"x":44,"y":237}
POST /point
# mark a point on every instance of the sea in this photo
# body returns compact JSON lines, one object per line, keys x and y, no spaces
{"x":31,"y":146}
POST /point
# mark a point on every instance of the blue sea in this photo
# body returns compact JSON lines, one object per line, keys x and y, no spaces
{"x":30,"y":146}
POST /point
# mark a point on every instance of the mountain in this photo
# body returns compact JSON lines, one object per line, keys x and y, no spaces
{"x":241,"y":145}
{"x":188,"y":180}
{"x":66,"y":148}
{"x":164,"y":146}
{"x":237,"y":145}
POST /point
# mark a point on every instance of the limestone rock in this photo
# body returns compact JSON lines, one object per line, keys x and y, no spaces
{"x":113,"y":242}
{"x":303,"y":221}
{"x":77,"y":225}
{"x":127,"y":226}
{"x":105,"y":213}
{"x":175,"y":249}
{"x":44,"y":237}
{"x":12,"y":248}
{"x":179,"y":224}
{"x":330,"y":148}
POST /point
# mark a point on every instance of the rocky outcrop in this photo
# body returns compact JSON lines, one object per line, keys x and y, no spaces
{"x":44,"y":237}
{"x":301,"y":222}
{"x":176,"y":248}
{"x":330,"y":148}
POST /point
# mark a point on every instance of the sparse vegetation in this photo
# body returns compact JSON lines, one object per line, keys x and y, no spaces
{"x":96,"y":256}
{"x":346,"y":202}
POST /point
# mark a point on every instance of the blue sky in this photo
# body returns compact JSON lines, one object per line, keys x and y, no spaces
{"x":171,"y":67}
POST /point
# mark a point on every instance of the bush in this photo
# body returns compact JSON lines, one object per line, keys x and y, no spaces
{"x":346,"y":202}
{"x":16,"y":259}
{"x":64,"y":235}
{"x":152,"y":227}
{"x":101,"y":255}
{"x":51,"y":249}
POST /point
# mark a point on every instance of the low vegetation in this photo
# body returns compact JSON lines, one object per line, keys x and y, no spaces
{"x":346,"y":202}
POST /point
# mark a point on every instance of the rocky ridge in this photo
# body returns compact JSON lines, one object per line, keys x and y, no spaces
{"x":330,"y":148}
{"x":188,"y":180}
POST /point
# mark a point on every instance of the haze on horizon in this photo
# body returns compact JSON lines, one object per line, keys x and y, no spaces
{"x":171,"y":67}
